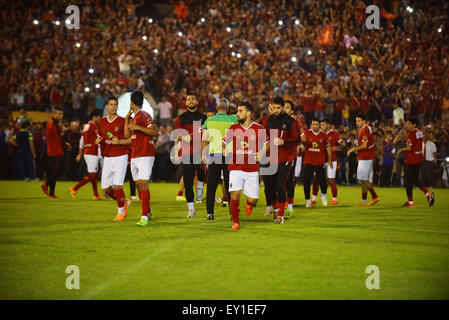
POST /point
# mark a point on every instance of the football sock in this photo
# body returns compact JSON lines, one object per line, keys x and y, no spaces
{"x":180,"y":193}
{"x":364,"y":196}
{"x":145,"y":201}
{"x":334,"y":190}
{"x":93,"y":181}
{"x":424,"y":189}
{"x":235,"y":208}
{"x":190,"y":205}
{"x":315,"y":189}
{"x":373,"y":193}
{"x":81,"y":183}
{"x":120,"y":198}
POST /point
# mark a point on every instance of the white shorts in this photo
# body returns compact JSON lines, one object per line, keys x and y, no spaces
{"x":365,"y":170}
{"x":114,"y":171}
{"x":298,"y":166}
{"x":91,"y":162}
{"x":331,"y":172}
{"x":249,"y":181}
{"x":141,"y":168}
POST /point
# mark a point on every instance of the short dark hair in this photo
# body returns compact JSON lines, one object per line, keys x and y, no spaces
{"x":291,"y":103}
{"x":111,"y":98}
{"x":137,"y":98}
{"x":361,"y":116}
{"x":325,"y":120}
{"x":25,"y":123}
{"x":247,"y":105}
{"x":95,"y":113}
{"x":413,"y":120}
{"x":279,"y":100}
{"x":315,"y":119}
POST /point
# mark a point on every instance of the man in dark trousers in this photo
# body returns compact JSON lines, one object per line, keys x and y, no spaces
{"x":55,"y":150}
{"x":286,"y":137}
{"x":188,"y":133}
{"x":26,"y":153}
{"x":213,"y":133}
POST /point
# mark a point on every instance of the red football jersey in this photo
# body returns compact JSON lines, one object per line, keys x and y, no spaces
{"x":415,"y":140}
{"x":53,"y":136}
{"x":301,"y":131}
{"x":90,"y":131}
{"x":366,"y":134}
{"x":141,"y":144}
{"x":334,"y":139}
{"x":245,"y":144}
{"x":109,"y":129}
{"x":316,"y":144}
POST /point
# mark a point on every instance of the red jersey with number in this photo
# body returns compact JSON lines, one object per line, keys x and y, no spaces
{"x":109,"y":129}
{"x":142,"y":145}
{"x":415,"y":140}
{"x":334,"y":139}
{"x":366,"y":134}
{"x":316,"y":144}
{"x":246,"y":142}
{"x":89,"y":133}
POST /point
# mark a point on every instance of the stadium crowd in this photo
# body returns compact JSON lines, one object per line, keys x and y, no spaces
{"x":317,"y":54}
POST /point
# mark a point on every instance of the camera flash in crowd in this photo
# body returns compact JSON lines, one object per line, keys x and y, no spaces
{"x":410,"y":9}
{"x":239,"y":55}
{"x":57,"y":23}
{"x":67,"y":21}
{"x":309,"y":52}
{"x":293,"y":59}
{"x":97,"y":86}
{"x":86,"y":89}
{"x":296,"y":21}
{"x":145,"y":38}
{"x":35,"y":22}
{"x":203,"y":20}
{"x":228,"y":29}
{"x":230,"y":46}
{"x":155,"y":51}
{"x":179,"y":34}
{"x":91,"y":70}
{"x":280,"y":22}
{"x":440,"y":30}
{"x":78,"y":44}
{"x":232,"y":53}
{"x":150,"y":20}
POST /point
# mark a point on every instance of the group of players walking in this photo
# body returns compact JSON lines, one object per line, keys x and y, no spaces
{"x":238,"y":150}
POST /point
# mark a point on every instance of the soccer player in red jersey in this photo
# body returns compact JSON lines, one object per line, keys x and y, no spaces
{"x":365,"y":155}
{"x":286,"y":137}
{"x":141,"y":130}
{"x":90,"y":150}
{"x":190,"y":149}
{"x":315,"y":142}
{"x":55,"y":150}
{"x":115,"y":153}
{"x":247,"y":138}
{"x":413,"y":160}
{"x":336,"y":144}
{"x":289,"y":108}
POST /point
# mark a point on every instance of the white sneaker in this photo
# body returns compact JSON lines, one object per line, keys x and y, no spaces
{"x":324,"y":201}
{"x":218,"y":200}
{"x":134,"y":197}
{"x":269,"y":211}
{"x":191,"y":214}
{"x":308,"y":204}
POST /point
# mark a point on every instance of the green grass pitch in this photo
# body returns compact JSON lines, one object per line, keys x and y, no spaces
{"x":321,"y":253}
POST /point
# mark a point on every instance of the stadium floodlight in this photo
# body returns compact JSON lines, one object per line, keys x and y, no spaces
{"x":293,"y":59}
{"x":179,"y":34}
{"x":203,"y":20}
{"x":228,"y":29}
{"x":150,"y":20}
{"x":309,"y":52}
{"x":91,"y":70}
{"x":296,"y":21}
{"x":57,"y":23}
{"x":78,"y":45}
{"x":155,"y":51}
{"x":239,"y":55}
{"x":86,"y":89}
{"x":97,"y":86}
{"x":232,"y":53}
{"x":145,"y":38}
{"x":280,"y":22}
{"x":36,"y":22}
{"x":409,"y":9}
